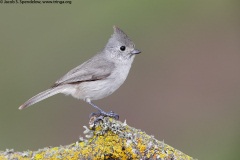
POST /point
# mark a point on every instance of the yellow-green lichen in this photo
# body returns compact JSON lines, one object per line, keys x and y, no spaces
{"x":107,"y":139}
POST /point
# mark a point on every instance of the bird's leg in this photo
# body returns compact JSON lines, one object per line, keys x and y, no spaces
{"x":103,"y":113}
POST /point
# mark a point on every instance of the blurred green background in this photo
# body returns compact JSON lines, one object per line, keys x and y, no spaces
{"x":184,"y":88}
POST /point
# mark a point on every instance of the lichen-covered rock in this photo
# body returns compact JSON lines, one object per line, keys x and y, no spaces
{"x":105,"y":139}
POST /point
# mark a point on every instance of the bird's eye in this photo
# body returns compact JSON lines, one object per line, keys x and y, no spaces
{"x":122,"y":48}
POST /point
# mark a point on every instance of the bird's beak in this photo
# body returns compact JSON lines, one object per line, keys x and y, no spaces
{"x":135,"y":51}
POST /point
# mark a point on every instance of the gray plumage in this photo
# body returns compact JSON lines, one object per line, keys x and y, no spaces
{"x":98,"y":77}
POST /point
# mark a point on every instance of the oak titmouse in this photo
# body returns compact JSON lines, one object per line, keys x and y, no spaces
{"x":98,"y":77}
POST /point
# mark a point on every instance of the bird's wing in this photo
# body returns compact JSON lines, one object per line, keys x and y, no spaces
{"x":91,"y":70}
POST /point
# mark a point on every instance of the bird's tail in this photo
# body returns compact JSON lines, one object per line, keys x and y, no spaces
{"x":41,"y":96}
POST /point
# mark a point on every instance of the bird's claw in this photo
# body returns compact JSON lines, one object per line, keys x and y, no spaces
{"x":113,"y":115}
{"x":101,"y":114}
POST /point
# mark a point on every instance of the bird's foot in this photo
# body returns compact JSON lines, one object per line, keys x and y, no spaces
{"x":95,"y":118}
{"x":101,"y":114}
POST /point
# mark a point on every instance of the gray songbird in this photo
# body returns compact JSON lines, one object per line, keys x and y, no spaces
{"x":98,"y":77}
